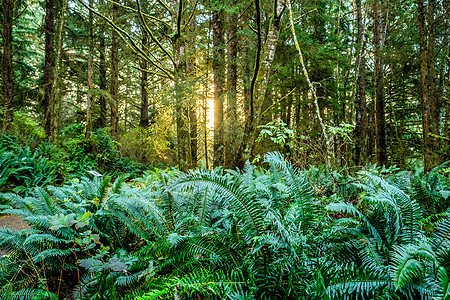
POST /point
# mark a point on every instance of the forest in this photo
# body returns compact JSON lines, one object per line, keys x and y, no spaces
{"x":224,"y":149}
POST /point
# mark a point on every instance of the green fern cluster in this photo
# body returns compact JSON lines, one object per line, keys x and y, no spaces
{"x":67,"y":226}
{"x":274,"y":233}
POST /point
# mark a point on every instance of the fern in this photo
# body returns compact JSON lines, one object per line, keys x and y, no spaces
{"x":235,"y":194}
{"x":410,"y":262}
{"x":359,"y":286}
{"x":298,"y":188}
{"x":441,"y":239}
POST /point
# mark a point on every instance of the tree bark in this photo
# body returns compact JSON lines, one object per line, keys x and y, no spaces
{"x":115,"y":77}
{"x":434,"y":99}
{"x":144,"y":93}
{"x":102,"y":73}
{"x":191,"y":66}
{"x":90,"y":78}
{"x":48,"y":69}
{"x":232,"y":127}
{"x":261,"y":74}
{"x":427,"y":144}
{"x":361,"y":106}
{"x":380,"y":117}
{"x":219,"y":85}
{"x":181,"y":105}
{"x":56,"y":99}
{"x":8,"y":75}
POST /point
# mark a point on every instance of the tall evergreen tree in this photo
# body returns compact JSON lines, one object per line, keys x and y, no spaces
{"x":115,"y":76}
{"x":378,"y":78}
{"x":90,"y":72}
{"x":219,"y":84}
{"x":8,"y":71}
{"x":49,"y":69}
{"x":232,"y":129}
{"x":361,"y":106}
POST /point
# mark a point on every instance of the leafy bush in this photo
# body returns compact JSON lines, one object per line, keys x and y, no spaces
{"x":148,"y":145}
{"x":26,"y":129}
{"x":98,"y":152}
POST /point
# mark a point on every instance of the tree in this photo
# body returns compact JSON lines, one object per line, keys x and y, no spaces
{"x":90,"y":71}
{"x":102,"y":68}
{"x":219,"y":83}
{"x":8,"y":71}
{"x":361,"y":106}
{"x":427,"y":145}
{"x":49,"y":69}
{"x":144,"y":85}
{"x":232,"y":129}
{"x":310,"y":86}
{"x":115,"y":76}
{"x":265,"y":54}
{"x":378,"y":80}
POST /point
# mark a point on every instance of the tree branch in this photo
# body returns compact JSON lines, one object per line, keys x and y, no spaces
{"x":145,"y":15}
{"x":150,"y":33}
{"x":129,"y":41}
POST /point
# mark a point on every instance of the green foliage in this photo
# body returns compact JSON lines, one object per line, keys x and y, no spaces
{"x":22,"y":168}
{"x":344,"y":130}
{"x":99,"y":151}
{"x":68,"y":228}
{"x":148,"y":145}
{"x":26,"y":128}
{"x":272,"y":233}
{"x":278,"y":132}
{"x":25,"y":167}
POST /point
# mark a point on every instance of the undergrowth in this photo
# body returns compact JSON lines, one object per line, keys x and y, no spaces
{"x":276,"y":232}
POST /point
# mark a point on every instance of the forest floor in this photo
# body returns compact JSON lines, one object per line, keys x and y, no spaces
{"x":12,"y":222}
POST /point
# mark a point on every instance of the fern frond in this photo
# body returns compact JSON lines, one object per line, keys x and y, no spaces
{"x":409,"y":262}
{"x":444,"y":282}
{"x":23,"y":294}
{"x":353,"y":288}
{"x":246,"y":208}
{"x":441,"y":238}
{"x":298,"y":188}
{"x":348,"y":208}
{"x":41,"y":238}
{"x":43,"y":200}
{"x":139,"y":212}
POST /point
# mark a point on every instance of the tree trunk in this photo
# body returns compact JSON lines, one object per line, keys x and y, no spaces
{"x":144,"y":93}
{"x":219,"y":85}
{"x":378,"y":76}
{"x":90,"y":78}
{"x":48,"y":69}
{"x":427,"y":144}
{"x":56,"y":94}
{"x":261,"y":74}
{"x":361,"y":106}
{"x":191,"y":67}
{"x":232,"y":127}
{"x":246,"y":78}
{"x":193,"y":134}
{"x":181,"y":105}
{"x":102,"y":73}
{"x":205,"y":114}
{"x":432,"y":90}
{"x":8,"y":75}
{"x":115,"y":78}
